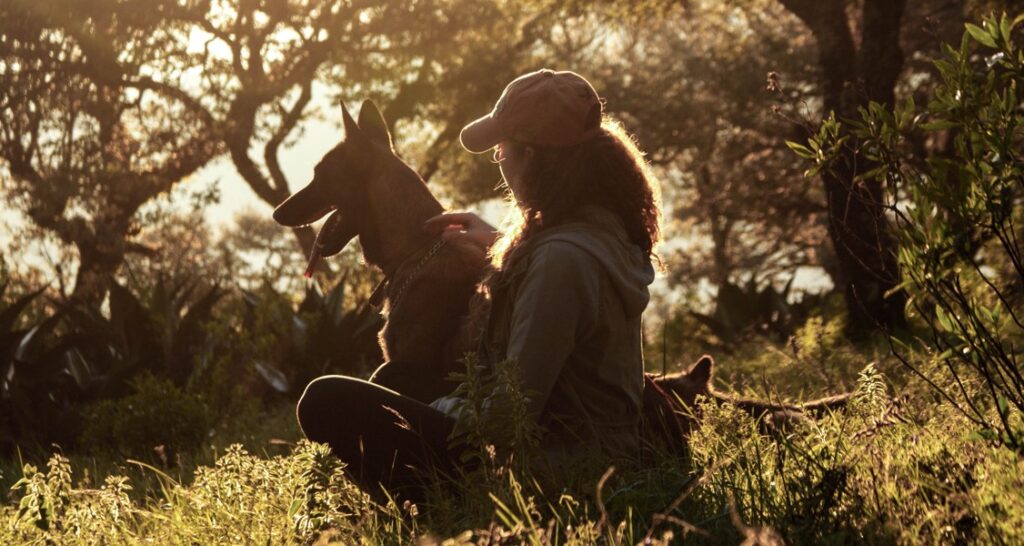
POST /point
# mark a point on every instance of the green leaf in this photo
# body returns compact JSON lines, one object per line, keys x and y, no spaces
{"x":1004,"y":28}
{"x":1016,"y":21}
{"x":800,"y":149}
{"x":294,"y":508}
{"x":939,"y":125}
{"x":1002,"y":405}
{"x":944,"y":319}
{"x":981,"y":35}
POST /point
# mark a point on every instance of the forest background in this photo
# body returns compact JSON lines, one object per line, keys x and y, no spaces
{"x":817,"y":164}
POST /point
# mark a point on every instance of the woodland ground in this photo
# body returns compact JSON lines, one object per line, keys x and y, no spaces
{"x":897,"y":467}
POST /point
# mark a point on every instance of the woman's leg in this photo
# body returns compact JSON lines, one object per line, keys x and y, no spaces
{"x":384,"y":438}
{"x":413,"y":379}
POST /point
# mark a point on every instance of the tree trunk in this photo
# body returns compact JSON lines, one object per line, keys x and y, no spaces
{"x":852,"y":77}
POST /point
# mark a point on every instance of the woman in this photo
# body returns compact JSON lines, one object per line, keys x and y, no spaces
{"x":566,"y":298}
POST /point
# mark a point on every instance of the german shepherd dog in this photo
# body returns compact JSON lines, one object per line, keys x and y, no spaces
{"x":372,"y":194}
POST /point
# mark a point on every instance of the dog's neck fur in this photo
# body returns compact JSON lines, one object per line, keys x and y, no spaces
{"x":394,"y":227}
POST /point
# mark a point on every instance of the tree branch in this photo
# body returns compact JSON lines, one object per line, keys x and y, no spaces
{"x":289,"y":120}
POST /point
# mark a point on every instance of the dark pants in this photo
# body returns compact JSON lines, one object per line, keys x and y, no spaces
{"x":382,"y":429}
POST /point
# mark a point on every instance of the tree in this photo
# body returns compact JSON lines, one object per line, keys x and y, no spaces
{"x":697,"y":95}
{"x":108,"y":103}
{"x":260,"y":62}
{"x":87,"y":135}
{"x":856,"y":70}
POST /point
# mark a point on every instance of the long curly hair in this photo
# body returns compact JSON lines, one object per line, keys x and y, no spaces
{"x":609,"y":171}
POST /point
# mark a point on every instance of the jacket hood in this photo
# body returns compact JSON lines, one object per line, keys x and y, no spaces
{"x":602,"y":235}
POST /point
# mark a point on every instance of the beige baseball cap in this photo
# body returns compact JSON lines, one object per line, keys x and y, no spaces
{"x":545,"y":108}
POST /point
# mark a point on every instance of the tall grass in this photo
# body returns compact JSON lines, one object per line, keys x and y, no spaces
{"x":898,"y":466}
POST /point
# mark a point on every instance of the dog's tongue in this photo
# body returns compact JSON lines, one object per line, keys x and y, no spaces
{"x":325,"y":232}
{"x":314,"y":259}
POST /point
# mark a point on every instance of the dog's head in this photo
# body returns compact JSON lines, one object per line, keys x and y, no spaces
{"x":340,"y":183}
{"x":687,"y":386}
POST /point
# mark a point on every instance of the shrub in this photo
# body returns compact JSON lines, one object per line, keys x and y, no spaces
{"x":241,"y":499}
{"x":958,"y":214}
{"x":51,"y":509}
{"x":156,"y":416}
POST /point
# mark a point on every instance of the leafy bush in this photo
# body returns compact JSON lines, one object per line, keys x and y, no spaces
{"x":75,"y":354}
{"x":493,"y":416}
{"x":958,"y":215}
{"x":743,"y":310}
{"x":51,"y":508}
{"x":42,"y":379}
{"x":155,"y":422}
{"x":161,"y":330}
{"x":323,"y":334}
{"x":240,"y":500}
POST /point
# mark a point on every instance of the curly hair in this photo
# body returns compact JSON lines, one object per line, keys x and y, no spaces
{"x":608,"y":171}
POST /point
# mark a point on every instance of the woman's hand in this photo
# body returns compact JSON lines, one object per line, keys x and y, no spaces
{"x":463,"y":227}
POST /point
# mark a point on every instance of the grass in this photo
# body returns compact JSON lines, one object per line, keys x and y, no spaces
{"x":897,"y":467}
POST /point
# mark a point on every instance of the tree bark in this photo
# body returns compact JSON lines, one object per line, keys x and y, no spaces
{"x":852,"y":77}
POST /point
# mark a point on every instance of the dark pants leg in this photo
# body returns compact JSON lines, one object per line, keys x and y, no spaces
{"x":386,"y":439}
{"x":413,"y":379}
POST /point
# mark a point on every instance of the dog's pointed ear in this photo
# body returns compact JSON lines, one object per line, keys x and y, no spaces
{"x":352,"y":131}
{"x":703,"y":370}
{"x":373,"y":125}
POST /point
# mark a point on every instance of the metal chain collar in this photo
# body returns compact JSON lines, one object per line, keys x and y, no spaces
{"x":413,"y":274}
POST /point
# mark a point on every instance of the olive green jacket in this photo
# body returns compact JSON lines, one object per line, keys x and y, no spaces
{"x":567,"y":309}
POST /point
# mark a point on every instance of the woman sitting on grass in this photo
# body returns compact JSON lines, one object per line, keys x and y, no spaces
{"x":566,"y":298}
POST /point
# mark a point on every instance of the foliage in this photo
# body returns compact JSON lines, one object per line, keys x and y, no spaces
{"x":958,"y":217}
{"x":740,"y":311}
{"x":323,"y":334}
{"x":493,"y":417}
{"x":76,"y":354}
{"x":155,"y":422}
{"x":883,"y":471}
{"x":51,"y":507}
{"x":40,"y":383}
{"x":179,"y":331}
{"x":240,"y":498}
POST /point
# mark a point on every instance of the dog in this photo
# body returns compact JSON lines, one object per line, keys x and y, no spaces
{"x":671,"y":405}
{"x":370,"y":193}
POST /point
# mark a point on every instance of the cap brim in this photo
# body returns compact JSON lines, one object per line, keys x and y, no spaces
{"x":482,"y":135}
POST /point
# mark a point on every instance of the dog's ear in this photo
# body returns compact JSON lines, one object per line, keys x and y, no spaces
{"x":352,"y":131}
{"x":373,"y":125}
{"x":702,"y":371}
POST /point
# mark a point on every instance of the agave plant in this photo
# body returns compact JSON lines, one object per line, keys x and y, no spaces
{"x":322,"y":335}
{"x":78,"y":354}
{"x":41,"y":381}
{"x":742,"y":310}
{"x":161,"y":333}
